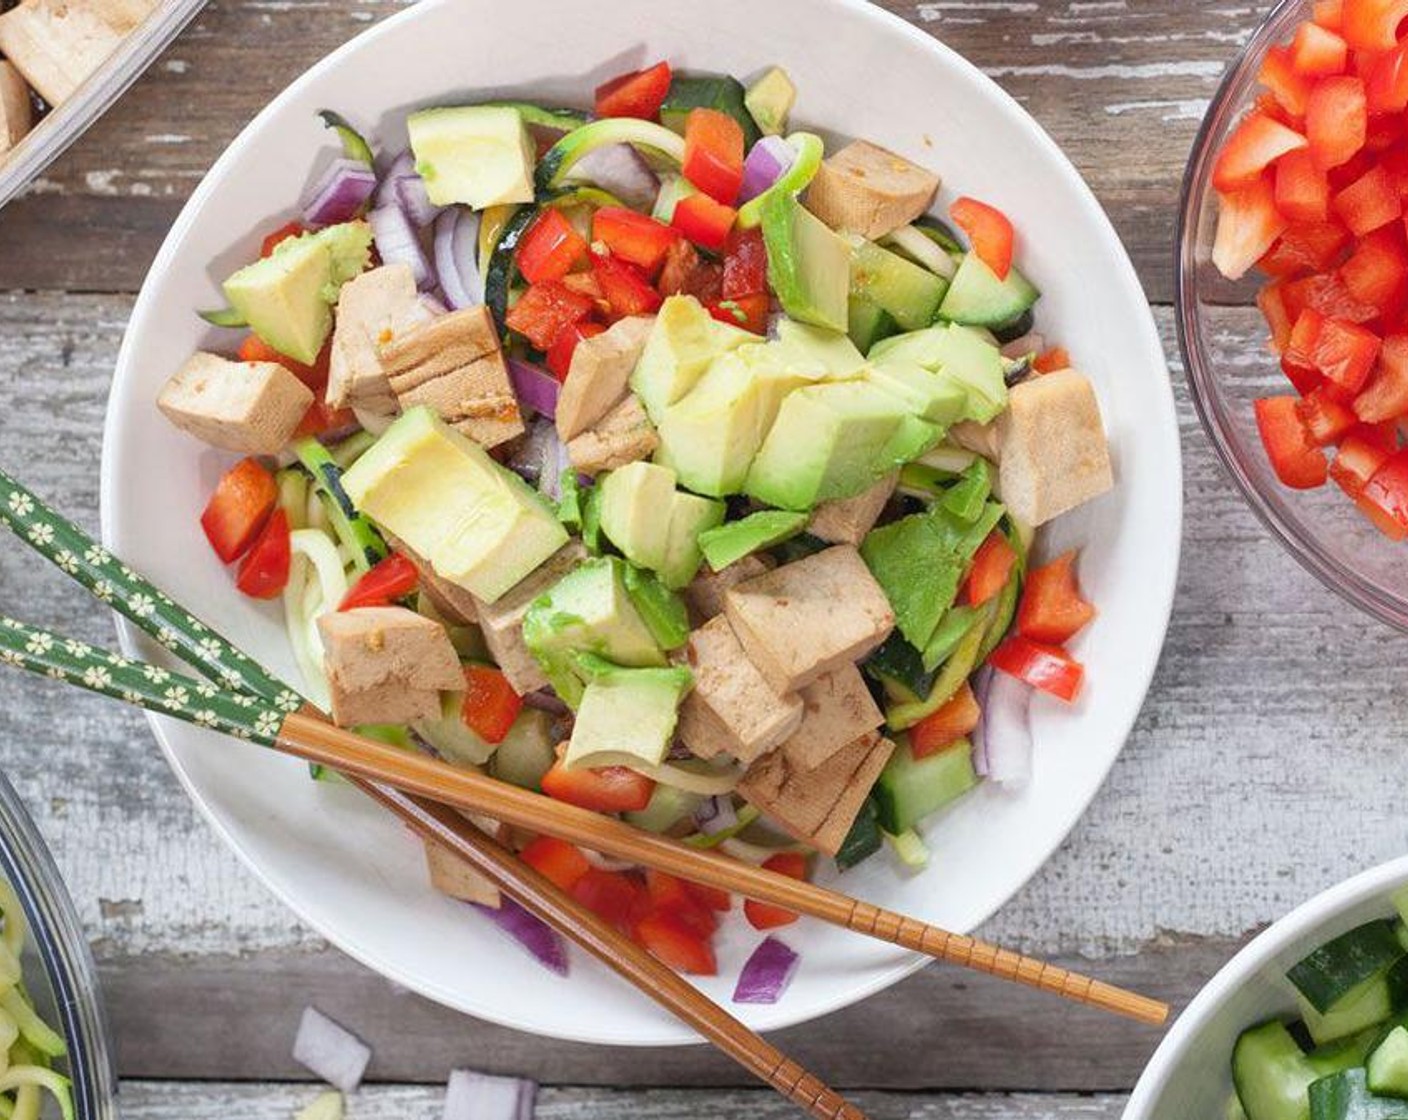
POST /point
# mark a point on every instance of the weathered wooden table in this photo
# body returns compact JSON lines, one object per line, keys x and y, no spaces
{"x":1268,"y":762}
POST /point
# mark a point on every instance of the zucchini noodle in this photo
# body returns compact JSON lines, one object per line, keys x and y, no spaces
{"x":757,"y":853}
{"x":317,"y":583}
{"x":699,"y":778}
{"x":20,"y":1078}
{"x":28,"y":1045}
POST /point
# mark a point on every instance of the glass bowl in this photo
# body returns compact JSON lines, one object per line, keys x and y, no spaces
{"x":1223,"y":339}
{"x":58,"y":967}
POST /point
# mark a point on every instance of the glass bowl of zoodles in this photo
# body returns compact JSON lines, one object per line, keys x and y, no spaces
{"x":54,"y":1054}
{"x":664,"y":459}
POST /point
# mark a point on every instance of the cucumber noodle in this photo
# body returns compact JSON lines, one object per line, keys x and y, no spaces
{"x":315,"y":555}
{"x":28,"y":1045}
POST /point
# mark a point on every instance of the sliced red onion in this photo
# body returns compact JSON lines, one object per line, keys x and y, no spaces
{"x":530,"y":931}
{"x":340,"y":194}
{"x":330,"y":1050}
{"x":457,"y":257}
{"x":1002,"y":742}
{"x":397,"y":243}
{"x":767,"y":973}
{"x":620,"y":170}
{"x":981,"y":684}
{"x":715,"y":815}
{"x":432,"y":303}
{"x":482,"y":1096}
{"x":555,"y":462}
{"x":534,"y":452}
{"x":411,"y":196}
{"x":535,"y":387}
{"x":546,"y":701}
{"x":1031,"y":343}
{"x":402,"y":167}
{"x":767,"y":162}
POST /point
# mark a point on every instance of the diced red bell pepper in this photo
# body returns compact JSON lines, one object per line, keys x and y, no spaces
{"x":1273,"y":308}
{"x":714,"y":898}
{"x":748,"y":312}
{"x":611,"y":789}
{"x":551,"y":248}
{"x":686,"y":273}
{"x":1325,"y":416}
{"x":1052,"y":610}
{"x":1385,"y":396}
{"x":703,"y":221}
{"x":637,"y":94}
{"x":1377,"y":271}
{"x":1387,"y":85}
{"x":951,"y":723}
{"x":1305,"y":336}
{"x":625,"y":287}
{"x":745,"y":264}
{"x":278,"y":237}
{"x":991,"y":567}
{"x":255,"y":349}
{"x":1336,"y":121}
{"x":1329,"y":14}
{"x":243,"y":500}
{"x":559,"y":358}
{"x":633,"y":237}
{"x":265,"y":568}
{"x":1255,"y":144}
{"x":1318,"y":52}
{"x":1048,"y":668}
{"x":1290,"y":90}
{"x":1346,"y":354}
{"x":490,"y":703}
{"x":1327,"y":294}
{"x":763,"y":915}
{"x":1306,"y":247}
{"x":556,"y":860}
{"x":545,"y":310}
{"x":1267,"y":105}
{"x":391,"y":579}
{"x":615,"y":898}
{"x":1306,"y":379}
{"x":1295,"y":458}
{"x":1385,"y":496}
{"x":1248,"y":224}
{"x":1051,"y":360}
{"x":713,"y":154}
{"x":668,"y":938}
{"x":1372,"y":25}
{"x":1369,"y":203}
{"x":322,"y":418}
{"x":670,"y":895}
{"x":1302,"y":189}
{"x":1361,"y":454}
{"x":990,"y":231}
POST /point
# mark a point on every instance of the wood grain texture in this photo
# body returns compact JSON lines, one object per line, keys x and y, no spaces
{"x":1121,"y":85}
{"x":157,"y":1100}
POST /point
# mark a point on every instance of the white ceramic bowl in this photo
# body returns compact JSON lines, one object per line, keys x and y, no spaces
{"x":1190,"y":1076}
{"x":350,"y":872}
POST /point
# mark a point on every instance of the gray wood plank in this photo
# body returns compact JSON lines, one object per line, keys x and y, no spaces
{"x":1120,"y":86}
{"x":161,"y":1100}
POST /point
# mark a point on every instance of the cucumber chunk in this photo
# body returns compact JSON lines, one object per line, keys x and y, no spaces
{"x":1327,"y":975}
{"x":910,"y":294}
{"x":909,"y":789}
{"x":1346,"y":1096}
{"x":708,"y":91}
{"x":1388,"y":1065}
{"x":864,"y":839}
{"x":1271,"y":1075}
{"x":977,"y":298}
{"x":868,"y":322}
{"x":1363,"y":1006}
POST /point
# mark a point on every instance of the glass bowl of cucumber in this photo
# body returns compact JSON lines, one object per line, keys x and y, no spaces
{"x":1310,"y":1019}
{"x":53,"y":1031}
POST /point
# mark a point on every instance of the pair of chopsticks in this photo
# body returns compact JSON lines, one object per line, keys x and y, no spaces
{"x":250,"y":704}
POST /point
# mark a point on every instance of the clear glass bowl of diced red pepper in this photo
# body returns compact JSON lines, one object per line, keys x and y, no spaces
{"x":1298,"y":182}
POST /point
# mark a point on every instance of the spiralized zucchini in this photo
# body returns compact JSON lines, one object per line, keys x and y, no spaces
{"x":28,"y":1045}
{"x":317,"y":583}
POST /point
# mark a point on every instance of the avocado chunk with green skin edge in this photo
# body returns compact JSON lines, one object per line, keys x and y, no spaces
{"x":662,"y":611}
{"x":969,"y":496}
{"x":732,"y":542}
{"x":933,"y":396}
{"x":910,"y":293}
{"x":627,"y":717}
{"x":956,"y":624}
{"x":956,"y":352}
{"x":475,"y":155}
{"x":708,"y":91}
{"x":635,"y":500}
{"x":809,"y":263}
{"x":683,"y":342}
{"x":831,"y":352}
{"x":690,"y":516}
{"x":770,"y":100}
{"x":477,"y":523}
{"x":911,"y":789}
{"x":1388,"y":1065}
{"x":1346,"y":1096}
{"x":977,"y":298}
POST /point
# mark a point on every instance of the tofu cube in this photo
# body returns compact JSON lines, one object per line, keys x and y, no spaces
{"x":453,"y":365}
{"x":249,"y":407}
{"x":16,"y":109}
{"x":600,"y":375}
{"x":373,"y":309}
{"x":869,"y":190}
{"x":705,"y":595}
{"x":837,"y":709}
{"x":624,"y":435}
{"x":387,"y":665}
{"x":455,"y":878}
{"x":731,"y":710}
{"x":57,"y":44}
{"x":1053,"y":452}
{"x":501,"y":621}
{"x":848,"y":520}
{"x":817,"y":807}
{"x":809,"y":617}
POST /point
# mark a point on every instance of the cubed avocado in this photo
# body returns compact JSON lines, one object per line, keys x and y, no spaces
{"x":350,"y":246}
{"x":682,"y":343}
{"x":478,"y":524}
{"x":710,"y":437}
{"x":830,"y":350}
{"x":627,"y":717}
{"x":732,"y":542}
{"x":690,"y":515}
{"x":770,"y":100}
{"x":809,"y":264}
{"x":478,"y":155}
{"x":829,"y":441}
{"x":935,"y":397}
{"x":662,"y":611}
{"x":635,"y":500}
{"x":958,"y":352}
{"x":910,"y":294}
{"x":589,"y":610}
{"x":868,"y":323}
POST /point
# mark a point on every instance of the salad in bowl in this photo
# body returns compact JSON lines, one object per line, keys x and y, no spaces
{"x":665,"y":459}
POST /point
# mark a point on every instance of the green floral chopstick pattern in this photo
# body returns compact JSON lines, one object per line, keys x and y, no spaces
{"x":117,"y":585}
{"x":241,"y":714}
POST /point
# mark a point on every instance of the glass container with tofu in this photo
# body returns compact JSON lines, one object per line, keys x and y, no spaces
{"x":664,"y":463}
